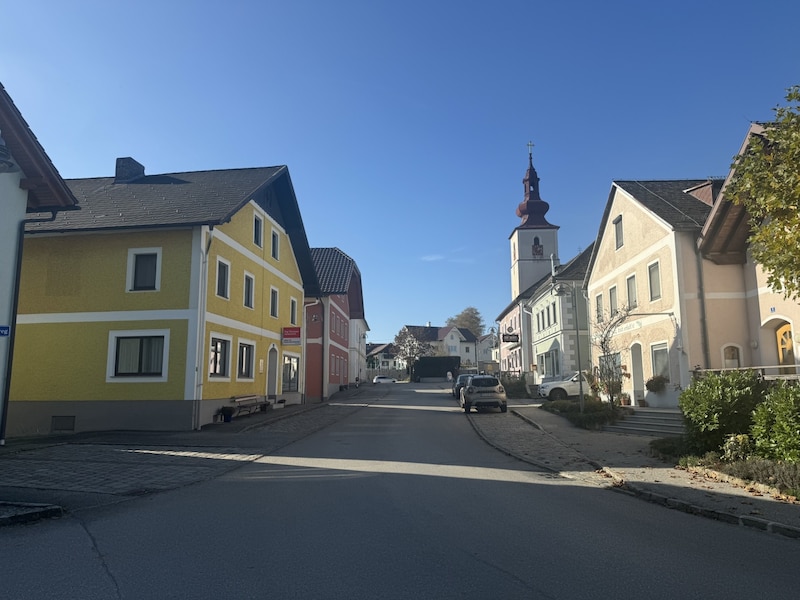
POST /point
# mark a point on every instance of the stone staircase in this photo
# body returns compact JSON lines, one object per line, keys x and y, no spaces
{"x":657,"y":422}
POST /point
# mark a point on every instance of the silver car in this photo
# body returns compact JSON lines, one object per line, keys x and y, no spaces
{"x":483,"y":391}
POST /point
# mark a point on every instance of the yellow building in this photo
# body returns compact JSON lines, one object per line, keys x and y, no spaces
{"x":160,"y":300}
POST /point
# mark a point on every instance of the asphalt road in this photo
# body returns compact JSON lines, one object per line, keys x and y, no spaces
{"x":391,"y":496}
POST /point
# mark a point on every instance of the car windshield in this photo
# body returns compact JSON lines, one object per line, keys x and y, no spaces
{"x":484,"y":381}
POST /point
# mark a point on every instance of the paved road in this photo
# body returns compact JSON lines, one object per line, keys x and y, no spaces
{"x":389,"y":494}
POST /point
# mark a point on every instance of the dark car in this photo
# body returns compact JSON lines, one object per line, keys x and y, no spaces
{"x":458,"y":383}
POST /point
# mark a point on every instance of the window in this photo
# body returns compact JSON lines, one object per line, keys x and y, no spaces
{"x":654,"y":277}
{"x":223,"y":281}
{"x":618,"y":232}
{"x":548,"y":364}
{"x":631,"y":285}
{"x":293,"y":311}
{"x":275,"y":244}
{"x":660,"y":357}
{"x":258,"y":231}
{"x":273,"y":303}
{"x":731,"y":357}
{"x":246,"y":360}
{"x":219,"y":357}
{"x":598,"y":307}
{"x":249,"y":290}
{"x":144,"y":269}
{"x":291,"y":373}
{"x":137,"y":355}
{"x":612,"y":300}
{"x":553,"y":307}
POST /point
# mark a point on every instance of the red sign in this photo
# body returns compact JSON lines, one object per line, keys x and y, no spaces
{"x":291,"y":336}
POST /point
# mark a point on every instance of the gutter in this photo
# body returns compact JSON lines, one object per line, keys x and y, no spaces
{"x":13,"y":324}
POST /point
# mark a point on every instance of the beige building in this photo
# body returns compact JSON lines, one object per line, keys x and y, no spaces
{"x":674,"y":254}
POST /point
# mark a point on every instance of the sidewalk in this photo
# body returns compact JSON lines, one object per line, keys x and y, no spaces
{"x":625,"y":460}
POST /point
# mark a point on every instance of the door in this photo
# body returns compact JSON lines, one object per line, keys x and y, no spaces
{"x":637,"y":375}
{"x":785,"y":348}
{"x":272,"y":373}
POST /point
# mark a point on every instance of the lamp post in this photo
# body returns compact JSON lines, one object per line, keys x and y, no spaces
{"x":559,"y":290}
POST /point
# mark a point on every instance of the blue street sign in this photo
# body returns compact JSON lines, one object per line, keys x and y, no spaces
{"x":5,"y":330}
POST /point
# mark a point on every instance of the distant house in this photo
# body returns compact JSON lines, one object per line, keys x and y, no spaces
{"x":337,"y":330}
{"x":382,"y":360}
{"x":162,"y":298}
{"x":449,"y":341}
{"x":29,"y":183}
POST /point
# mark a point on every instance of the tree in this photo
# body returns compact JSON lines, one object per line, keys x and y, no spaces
{"x":610,"y":372}
{"x":469,"y":318}
{"x":408,"y":348}
{"x":766,"y":181}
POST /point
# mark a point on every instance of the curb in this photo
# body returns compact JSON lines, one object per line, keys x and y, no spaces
{"x":15,"y":513}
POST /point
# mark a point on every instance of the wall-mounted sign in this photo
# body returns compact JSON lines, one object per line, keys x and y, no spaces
{"x":5,"y":330}
{"x":511,"y":337}
{"x":291,"y":336}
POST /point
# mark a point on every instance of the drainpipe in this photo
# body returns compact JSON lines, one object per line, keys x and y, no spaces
{"x":13,"y":324}
{"x":701,"y":296}
{"x":201,"y":331}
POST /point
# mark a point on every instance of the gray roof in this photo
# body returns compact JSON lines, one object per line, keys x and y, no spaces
{"x":669,"y":201}
{"x":436,"y":334}
{"x":185,"y":199}
{"x":338,"y":274}
{"x":334,"y":270}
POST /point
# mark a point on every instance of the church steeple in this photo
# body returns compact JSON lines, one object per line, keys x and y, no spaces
{"x":532,"y":209}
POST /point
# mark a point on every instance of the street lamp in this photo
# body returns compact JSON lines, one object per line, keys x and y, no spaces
{"x":560,"y":289}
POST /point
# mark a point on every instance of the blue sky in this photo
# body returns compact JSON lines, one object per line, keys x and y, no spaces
{"x":404,"y":124}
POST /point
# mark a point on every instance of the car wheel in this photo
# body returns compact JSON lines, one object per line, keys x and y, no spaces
{"x":466,"y":408}
{"x":504,"y":408}
{"x":558,"y":394}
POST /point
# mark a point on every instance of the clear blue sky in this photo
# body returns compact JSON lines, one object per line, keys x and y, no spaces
{"x":404,"y":124}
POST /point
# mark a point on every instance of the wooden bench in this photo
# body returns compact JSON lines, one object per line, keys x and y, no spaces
{"x":247,"y":404}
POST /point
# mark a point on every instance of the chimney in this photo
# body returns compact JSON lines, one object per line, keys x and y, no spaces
{"x":128,"y":170}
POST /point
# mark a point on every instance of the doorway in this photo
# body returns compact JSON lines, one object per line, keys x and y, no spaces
{"x":637,"y":375}
{"x":272,"y":373}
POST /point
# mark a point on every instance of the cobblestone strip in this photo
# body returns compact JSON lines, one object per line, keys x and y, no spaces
{"x":519,"y":438}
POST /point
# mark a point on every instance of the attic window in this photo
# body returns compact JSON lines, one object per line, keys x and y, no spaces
{"x":618,"y":231}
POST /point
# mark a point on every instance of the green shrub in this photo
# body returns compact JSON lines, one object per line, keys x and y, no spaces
{"x":595,"y":413}
{"x":783,"y":476}
{"x":515,"y":388}
{"x":776,"y":424}
{"x":719,"y":405}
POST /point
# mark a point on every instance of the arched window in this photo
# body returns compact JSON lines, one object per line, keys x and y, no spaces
{"x":730,"y":355}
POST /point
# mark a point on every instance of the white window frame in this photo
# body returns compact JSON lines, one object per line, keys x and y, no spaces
{"x":599,"y":313}
{"x":244,"y":342}
{"x":274,"y":302}
{"x":657,"y":265}
{"x":659,"y":347}
{"x":619,"y":239}
{"x":226,"y":338}
{"x":112,"y":355}
{"x":131,"y":270}
{"x":227,"y":264}
{"x":258,"y":230}
{"x":632,"y":302}
{"x":275,"y":244}
{"x":252,"y":298}
{"x":613,"y":302}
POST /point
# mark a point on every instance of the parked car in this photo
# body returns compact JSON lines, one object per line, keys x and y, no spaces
{"x":458,"y":383}
{"x":483,"y":391}
{"x":383,"y":379}
{"x":562,"y":388}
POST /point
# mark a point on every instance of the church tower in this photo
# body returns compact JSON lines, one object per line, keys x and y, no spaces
{"x":534,"y":240}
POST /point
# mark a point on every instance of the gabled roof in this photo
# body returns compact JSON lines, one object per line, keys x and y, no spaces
{"x":46,"y":189}
{"x":670,"y":201}
{"x":338,"y":274}
{"x":185,"y":199}
{"x":425,"y":333}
